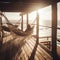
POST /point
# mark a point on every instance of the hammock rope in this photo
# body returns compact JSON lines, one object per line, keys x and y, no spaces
{"x":12,"y":28}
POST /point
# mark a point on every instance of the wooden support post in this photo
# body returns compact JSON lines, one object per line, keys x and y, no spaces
{"x":27,"y":19}
{"x":54,"y":31}
{"x":1,"y":31}
{"x":37,"y":27}
{"x":22,"y":22}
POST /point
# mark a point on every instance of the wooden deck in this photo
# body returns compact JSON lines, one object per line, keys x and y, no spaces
{"x":19,"y":48}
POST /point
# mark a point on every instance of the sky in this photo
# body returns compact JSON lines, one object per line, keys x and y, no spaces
{"x":58,"y":6}
{"x":44,"y":14}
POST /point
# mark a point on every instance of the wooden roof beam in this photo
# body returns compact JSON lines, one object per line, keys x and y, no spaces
{"x":26,"y":6}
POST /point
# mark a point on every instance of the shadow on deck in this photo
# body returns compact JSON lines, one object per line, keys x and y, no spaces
{"x":10,"y":48}
{"x":34,"y":51}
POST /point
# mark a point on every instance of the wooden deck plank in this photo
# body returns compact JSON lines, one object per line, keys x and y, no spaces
{"x":37,"y":53}
{"x":39,"y":48}
{"x":27,"y":49}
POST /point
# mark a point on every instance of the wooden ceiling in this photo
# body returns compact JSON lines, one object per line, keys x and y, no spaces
{"x":24,"y":5}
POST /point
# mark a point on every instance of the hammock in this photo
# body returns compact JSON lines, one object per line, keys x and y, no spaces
{"x":17,"y":31}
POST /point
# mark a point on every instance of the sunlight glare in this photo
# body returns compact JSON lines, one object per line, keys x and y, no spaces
{"x":32,"y":16}
{"x":44,"y":14}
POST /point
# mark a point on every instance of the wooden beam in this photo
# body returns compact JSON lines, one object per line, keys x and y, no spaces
{"x":1,"y":31}
{"x":54,"y":31}
{"x":37,"y":27}
{"x":25,"y":6}
{"x":27,"y":20}
{"x":22,"y":22}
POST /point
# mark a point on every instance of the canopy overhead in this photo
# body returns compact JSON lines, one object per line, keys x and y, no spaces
{"x":24,"y":5}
